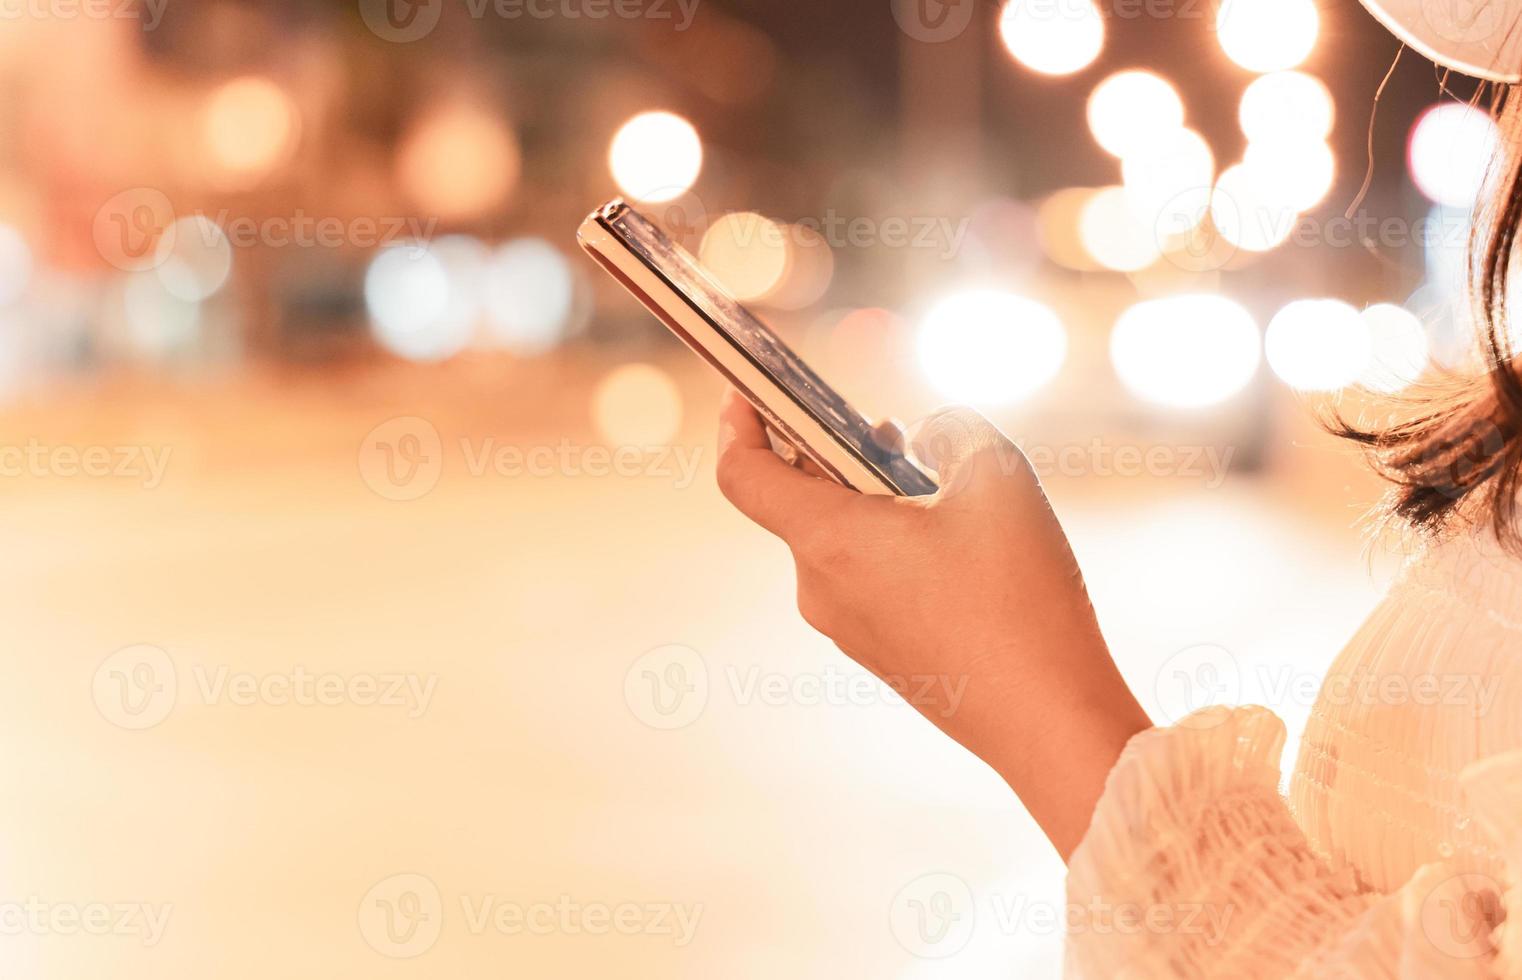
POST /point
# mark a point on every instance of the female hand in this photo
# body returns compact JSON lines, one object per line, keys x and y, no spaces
{"x":969,"y":603}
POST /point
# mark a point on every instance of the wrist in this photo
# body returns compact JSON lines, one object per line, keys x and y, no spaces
{"x":1058,"y":759}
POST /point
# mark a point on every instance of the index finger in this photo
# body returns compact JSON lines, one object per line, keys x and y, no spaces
{"x":780,"y":498}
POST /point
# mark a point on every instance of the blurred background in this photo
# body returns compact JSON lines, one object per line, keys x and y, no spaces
{"x":370,"y":610}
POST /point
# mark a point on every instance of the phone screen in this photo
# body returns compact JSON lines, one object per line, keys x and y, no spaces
{"x":764,"y":349}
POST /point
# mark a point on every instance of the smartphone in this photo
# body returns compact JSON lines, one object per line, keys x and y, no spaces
{"x":801,"y":410}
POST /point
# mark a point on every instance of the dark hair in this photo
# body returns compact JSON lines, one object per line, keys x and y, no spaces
{"x":1456,"y":458}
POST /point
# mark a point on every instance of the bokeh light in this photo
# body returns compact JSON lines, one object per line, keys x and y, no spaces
{"x":1452,"y":327}
{"x":407,"y":292}
{"x":1113,"y":236}
{"x":249,"y":128}
{"x":810,"y":267}
{"x":989,"y":347}
{"x":464,"y":259}
{"x":1286,"y":105}
{"x":1292,"y":174}
{"x":1445,"y":240}
{"x":747,"y":253}
{"x":1185,"y":351}
{"x":1168,"y":181}
{"x":656,"y":156}
{"x":194,"y":260}
{"x":159,"y":324}
{"x":1058,"y":221}
{"x":15,"y":264}
{"x":864,"y":343}
{"x":459,"y":161}
{"x":1267,"y":35}
{"x":1317,"y":345}
{"x":530,"y":296}
{"x":1399,"y":348}
{"x":637,"y":405}
{"x":1131,"y":107}
{"x":1450,"y":148}
{"x":1245,"y":215}
{"x":1052,"y":38}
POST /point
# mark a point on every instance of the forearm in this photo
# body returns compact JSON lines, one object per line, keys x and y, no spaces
{"x":1057,"y":753}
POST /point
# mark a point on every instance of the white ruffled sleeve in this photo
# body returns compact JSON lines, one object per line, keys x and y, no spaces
{"x":1193,"y":866}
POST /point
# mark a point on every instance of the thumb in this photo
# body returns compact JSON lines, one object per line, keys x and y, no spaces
{"x":966,"y":451}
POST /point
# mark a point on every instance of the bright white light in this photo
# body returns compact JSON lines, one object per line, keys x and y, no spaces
{"x":1052,"y":38}
{"x":159,"y":323}
{"x":1451,"y":146}
{"x":1185,"y":351}
{"x":1318,"y":345}
{"x":15,"y":264}
{"x":1446,"y":241}
{"x":1451,"y":325}
{"x":656,"y":156}
{"x":1168,"y":181}
{"x":990,"y":347}
{"x":1113,"y":236}
{"x":530,"y":292}
{"x":194,"y":258}
{"x":1245,"y":215}
{"x":1268,"y":35}
{"x":1286,"y":105}
{"x":464,"y":260}
{"x":637,"y":405}
{"x":1131,"y":107}
{"x":407,"y":292}
{"x":1399,"y":346}
{"x":1296,"y":175}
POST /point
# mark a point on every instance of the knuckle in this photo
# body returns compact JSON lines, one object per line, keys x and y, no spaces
{"x":825,"y":554}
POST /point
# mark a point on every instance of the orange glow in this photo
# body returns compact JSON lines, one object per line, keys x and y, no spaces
{"x":459,"y":162}
{"x":810,"y":267}
{"x":747,"y":253}
{"x":1057,"y":224}
{"x":249,"y":128}
{"x":637,"y":405}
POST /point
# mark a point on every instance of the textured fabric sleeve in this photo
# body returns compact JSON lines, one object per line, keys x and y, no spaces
{"x":1494,"y":788}
{"x":1193,"y":866}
